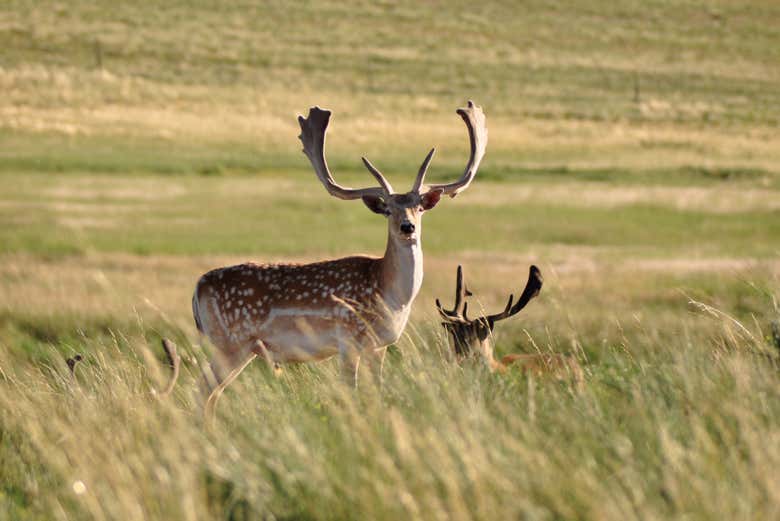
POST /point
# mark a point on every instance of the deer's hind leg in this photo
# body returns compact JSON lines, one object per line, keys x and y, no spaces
{"x":261,"y":350}
{"x":349,"y":358}
{"x":209,"y":410}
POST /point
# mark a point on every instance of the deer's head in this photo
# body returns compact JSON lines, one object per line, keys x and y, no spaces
{"x":471,"y":336}
{"x":403,"y":210}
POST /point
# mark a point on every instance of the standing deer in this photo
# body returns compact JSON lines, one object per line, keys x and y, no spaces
{"x":349,"y":306}
{"x":475,"y":336}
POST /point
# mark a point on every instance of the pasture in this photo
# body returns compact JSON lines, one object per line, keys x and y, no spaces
{"x":633,"y":156}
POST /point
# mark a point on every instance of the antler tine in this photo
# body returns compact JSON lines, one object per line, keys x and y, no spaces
{"x":459,"y":290}
{"x":532,"y":288}
{"x":384,"y":183}
{"x":503,"y":314}
{"x":475,"y":122}
{"x":444,"y":313}
{"x":313,"y":129}
{"x":460,"y":293}
{"x":418,"y":182}
{"x":509,"y":302}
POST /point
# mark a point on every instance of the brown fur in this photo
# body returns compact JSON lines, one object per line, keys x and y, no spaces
{"x":561,"y":367}
{"x":244,"y":295}
{"x":474,"y":337}
{"x":346,"y":306}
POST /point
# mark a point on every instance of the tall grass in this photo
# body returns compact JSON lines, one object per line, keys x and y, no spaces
{"x":687,"y":430}
{"x":633,"y":154}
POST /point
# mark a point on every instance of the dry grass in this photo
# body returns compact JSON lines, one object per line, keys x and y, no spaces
{"x":666,"y":426}
{"x":633,"y":157}
{"x":635,"y":86}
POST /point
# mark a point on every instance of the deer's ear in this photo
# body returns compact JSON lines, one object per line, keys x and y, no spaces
{"x":376,"y":204}
{"x":430,"y":199}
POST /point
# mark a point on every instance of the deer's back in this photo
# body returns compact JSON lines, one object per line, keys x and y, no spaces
{"x":232,"y":305}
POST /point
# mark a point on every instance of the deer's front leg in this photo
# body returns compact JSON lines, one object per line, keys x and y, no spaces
{"x":262,"y":351}
{"x":350,"y":362}
{"x":374,"y":359}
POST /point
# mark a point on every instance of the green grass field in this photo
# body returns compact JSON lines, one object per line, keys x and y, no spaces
{"x":633,"y":156}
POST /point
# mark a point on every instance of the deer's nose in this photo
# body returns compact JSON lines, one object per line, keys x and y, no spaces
{"x":407,"y":228}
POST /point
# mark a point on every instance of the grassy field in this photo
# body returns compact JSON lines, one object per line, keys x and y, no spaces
{"x":633,"y":157}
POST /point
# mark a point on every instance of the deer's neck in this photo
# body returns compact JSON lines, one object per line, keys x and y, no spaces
{"x":486,"y":351}
{"x":467,"y":344}
{"x":402,"y":272}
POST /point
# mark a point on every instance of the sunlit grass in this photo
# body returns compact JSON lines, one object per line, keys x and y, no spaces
{"x":684,"y":429}
{"x":193,"y":89}
{"x":633,"y":157}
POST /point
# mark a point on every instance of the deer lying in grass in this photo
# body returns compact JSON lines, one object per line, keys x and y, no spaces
{"x":351,"y":306}
{"x":474,"y":337}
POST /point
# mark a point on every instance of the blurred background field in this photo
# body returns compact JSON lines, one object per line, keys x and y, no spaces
{"x":633,"y":157}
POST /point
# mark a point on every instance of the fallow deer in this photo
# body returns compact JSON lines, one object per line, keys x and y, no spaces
{"x":474,"y":337}
{"x":349,"y":306}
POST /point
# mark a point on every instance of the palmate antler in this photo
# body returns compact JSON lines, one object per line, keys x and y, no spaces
{"x":532,"y":289}
{"x":315,"y":125}
{"x":313,"y":129}
{"x":460,"y":315}
{"x":475,"y":122}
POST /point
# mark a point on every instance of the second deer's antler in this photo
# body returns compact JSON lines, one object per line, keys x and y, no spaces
{"x":456,"y":314}
{"x":532,"y":288}
{"x":460,"y":309}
